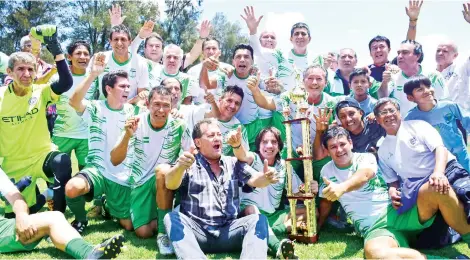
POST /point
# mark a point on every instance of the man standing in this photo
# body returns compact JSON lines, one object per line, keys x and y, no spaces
{"x":25,"y":144}
{"x":209,"y":185}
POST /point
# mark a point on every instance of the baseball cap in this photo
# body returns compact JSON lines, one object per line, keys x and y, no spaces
{"x":348,"y":102}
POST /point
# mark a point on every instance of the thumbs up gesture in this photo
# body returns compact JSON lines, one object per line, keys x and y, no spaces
{"x":269,"y":173}
{"x":332,"y":191}
{"x":253,"y":82}
{"x":187,"y":158}
{"x":234,"y":138}
{"x":212,"y":62}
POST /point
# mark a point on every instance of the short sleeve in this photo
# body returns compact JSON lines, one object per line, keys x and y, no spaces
{"x":432,"y":138}
{"x":367,"y":161}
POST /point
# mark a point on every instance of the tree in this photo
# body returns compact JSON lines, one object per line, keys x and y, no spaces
{"x":228,"y":34}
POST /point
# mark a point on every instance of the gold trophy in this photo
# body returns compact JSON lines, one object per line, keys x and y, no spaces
{"x":299,"y":97}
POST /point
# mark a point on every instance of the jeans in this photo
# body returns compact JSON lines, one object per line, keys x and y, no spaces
{"x":191,"y":240}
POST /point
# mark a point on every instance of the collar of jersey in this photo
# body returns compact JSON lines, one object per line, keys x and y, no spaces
{"x":321,"y":99}
{"x":170,"y":75}
{"x":112,"y":109}
{"x":124,"y":63}
{"x":155,"y":129}
{"x":236,"y":75}
{"x":419,"y":72}
{"x":299,"y":55}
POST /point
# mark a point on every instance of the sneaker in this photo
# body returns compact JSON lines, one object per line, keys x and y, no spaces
{"x":164,"y":245}
{"x":95,"y":212}
{"x":286,"y":250}
{"x":104,"y":211}
{"x":79,"y":225}
{"x":109,"y":249}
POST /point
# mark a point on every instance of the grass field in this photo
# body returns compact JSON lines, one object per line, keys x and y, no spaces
{"x":332,"y":244}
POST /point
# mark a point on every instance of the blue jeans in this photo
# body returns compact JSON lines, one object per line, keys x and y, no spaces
{"x":191,"y":240}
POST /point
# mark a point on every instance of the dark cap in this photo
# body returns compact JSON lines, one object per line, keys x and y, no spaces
{"x":348,"y":102}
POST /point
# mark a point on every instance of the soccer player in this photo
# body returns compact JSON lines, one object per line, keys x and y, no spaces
{"x":150,"y":139}
{"x":25,"y":144}
{"x":120,"y":58}
{"x":70,"y":130}
{"x":410,"y":54}
{"x":209,"y":185}
{"x":250,"y":114}
{"x":26,"y":231}
{"x":105,"y":120}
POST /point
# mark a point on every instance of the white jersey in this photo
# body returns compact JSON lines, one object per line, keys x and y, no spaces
{"x":150,"y":147}
{"x":269,"y":59}
{"x":68,"y":123}
{"x":327,"y":101}
{"x":366,"y":204}
{"x":135,"y":66}
{"x":269,"y":198}
{"x":397,"y":83}
{"x":416,"y":141}
{"x":105,"y":125}
{"x":189,"y":85}
{"x":6,"y":186}
{"x":457,"y":81}
{"x":300,"y":61}
{"x":195,"y":72}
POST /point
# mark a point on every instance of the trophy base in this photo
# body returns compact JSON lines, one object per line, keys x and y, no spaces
{"x":304,"y":239}
{"x":302,"y":197}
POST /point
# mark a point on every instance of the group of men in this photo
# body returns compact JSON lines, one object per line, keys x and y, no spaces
{"x":197,"y":158}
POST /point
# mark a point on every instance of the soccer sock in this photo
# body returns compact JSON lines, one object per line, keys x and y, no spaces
{"x":466,"y":238}
{"x":273,"y":243}
{"x":78,"y":248}
{"x":77,"y":206}
{"x":160,"y":224}
{"x":434,"y":257}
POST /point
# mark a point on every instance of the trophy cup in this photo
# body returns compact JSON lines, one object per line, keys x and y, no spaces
{"x":298,"y":96}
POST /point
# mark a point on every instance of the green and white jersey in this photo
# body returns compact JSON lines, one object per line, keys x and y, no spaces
{"x":249,"y":110}
{"x":68,"y":123}
{"x":195,"y":72}
{"x":269,"y":198}
{"x":135,"y":66}
{"x":366,"y":204}
{"x":300,"y":61}
{"x":397,"y":83}
{"x":105,"y":126}
{"x":150,"y":147}
{"x":266,"y":59}
{"x":3,"y":63}
{"x":189,"y":85}
{"x":154,"y":69}
{"x":326,"y":101}
{"x":227,"y":127}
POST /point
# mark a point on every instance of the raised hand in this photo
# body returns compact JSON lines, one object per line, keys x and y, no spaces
{"x":131,"y":126}
{"x":99,"y":64}
{"x":333,"y":191}
{"x":413,"y":9}
{"x":187,"y":158}
{"x":387,"y":74}
{"x":175,"y":113}
{"x":205,"y":29}
{"x":146,"y":29}
{"x":323,"y":119}
{"x":251,"y":21}
{"x":253,"y":82}
{"x":115,"y":15}
{"x":212,"y":62}
{"x":269,"y":173}
{"x":234,"y":138}
{"x":273,"y":85}
{"x":209,"y":97}
{"x":466,"y":12}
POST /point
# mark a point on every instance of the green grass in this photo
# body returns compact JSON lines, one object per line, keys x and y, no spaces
{"x":332,"y":244}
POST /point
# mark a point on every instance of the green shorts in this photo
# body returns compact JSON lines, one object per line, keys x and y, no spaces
{"x":67,"y":145}
{"x":117,"y":195}
{"x":253,"y":129}
{"x":399,"y":227}
{"x":276,"y":221}
{"x":8,"y":241}
{"x":144,"y":203}
{"x":16,"y":170}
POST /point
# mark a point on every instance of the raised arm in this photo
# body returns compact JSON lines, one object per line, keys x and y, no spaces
{"x":175,"y":174}
{"x":263,"y":179}
{"x":210,"y":99}
{"x":334,"y":191}
{"x":196,"y":50}
{"x":413,"y":12}
{"x":260,"y":99}
{"x":119,"y":152}
{"x":210,"y":63}
{"x":322,"y":122}
{"x":97,"y":67}
{"x":235,"y":139}
{"x":466,"y":12}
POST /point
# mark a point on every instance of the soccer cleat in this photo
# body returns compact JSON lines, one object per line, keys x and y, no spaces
{"x":164,"y":245}
{"x":109,"y":249}
{"x":80,"y":225}
{"x":286,"y":250}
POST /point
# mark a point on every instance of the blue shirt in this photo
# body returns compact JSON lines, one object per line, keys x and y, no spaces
{"x":377,"y":71}
{"x":443,"y":117}
{"x":367,"y":105}
{"x":210,"y":200}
